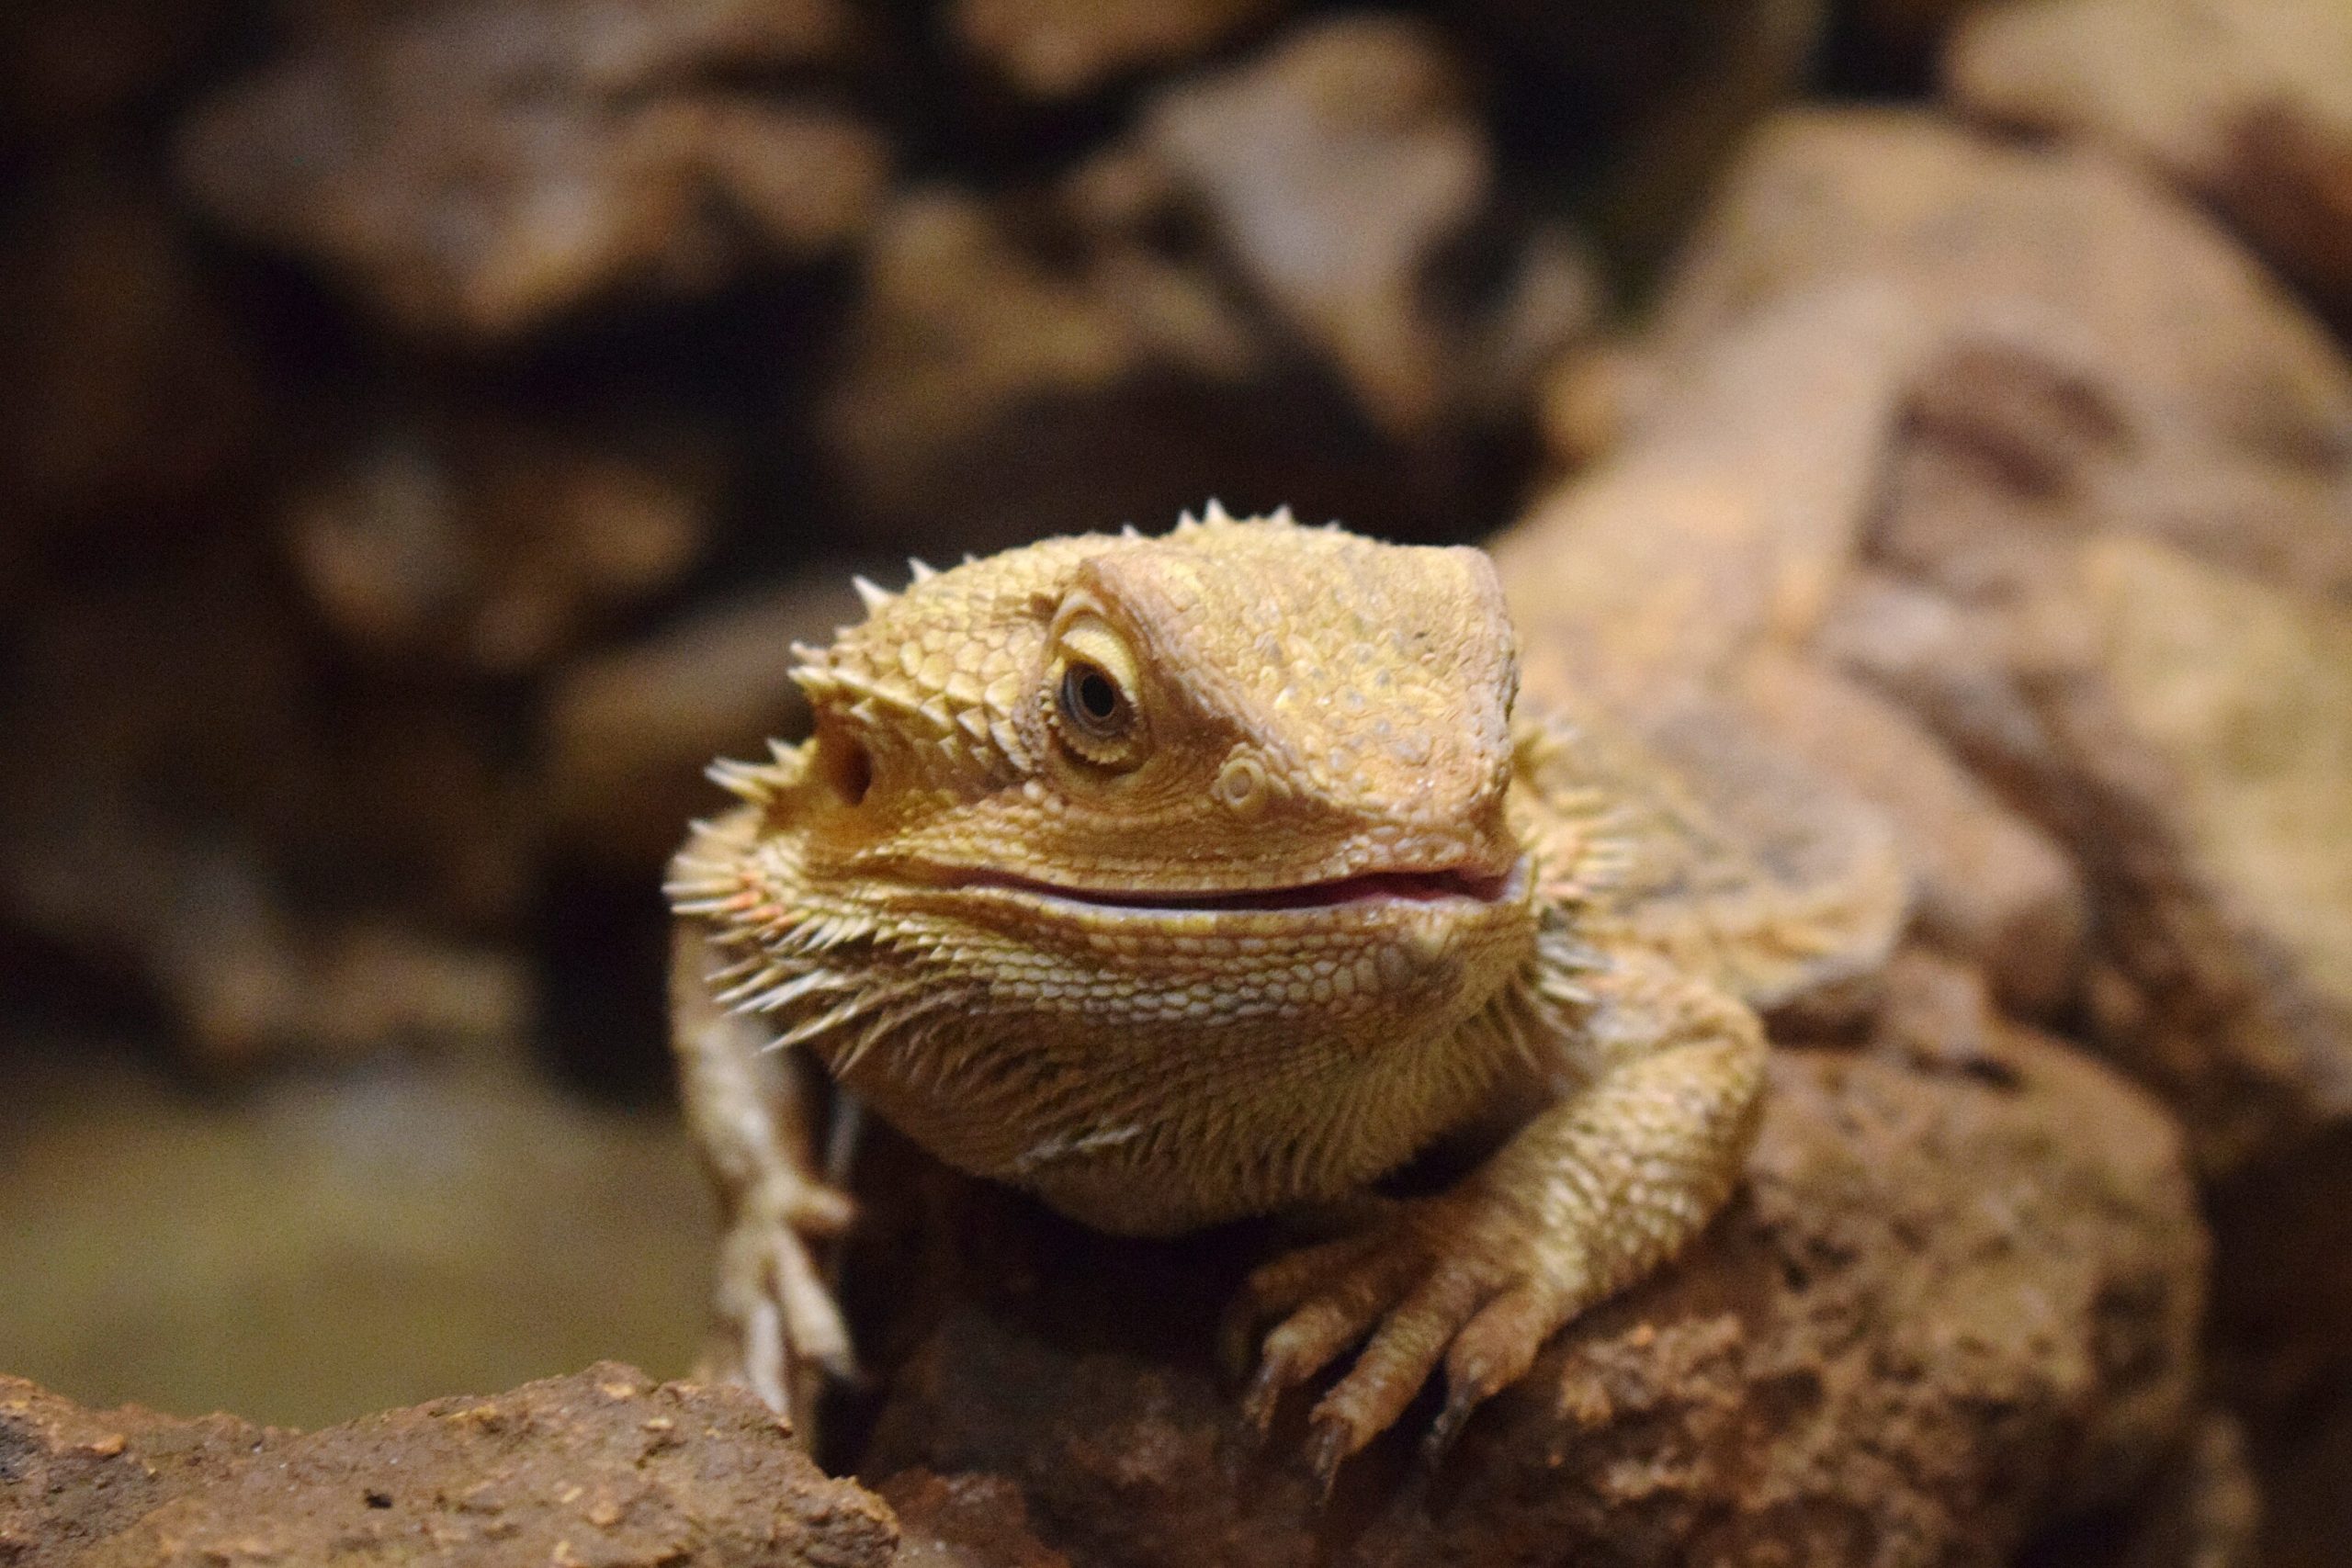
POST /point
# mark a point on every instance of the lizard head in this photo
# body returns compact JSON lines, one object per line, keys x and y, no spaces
{"x":1111,"y":811}
{"x":1241,"y":707}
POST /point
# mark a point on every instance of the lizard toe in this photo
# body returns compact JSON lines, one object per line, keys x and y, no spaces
{"x":1401,"y":1354}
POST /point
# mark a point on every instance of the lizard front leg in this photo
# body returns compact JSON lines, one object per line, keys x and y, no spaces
{"x":777,"y":1325}
{"x":1593,"y":1193}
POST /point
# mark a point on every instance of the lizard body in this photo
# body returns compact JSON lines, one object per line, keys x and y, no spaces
{"x":1178,"y":879}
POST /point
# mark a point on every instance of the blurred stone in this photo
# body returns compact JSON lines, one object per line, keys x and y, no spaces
{"x":473,"y":171}
{"x":1293,"y":280}
{"x":1067,"y":48}
{"x":2068,"y":250}
{"x":487,"y":545}
{"x":2203,"y":1509}
{"x":1705,"y":553}
{"x":289,"y":862}
{"x":2246,"y":102}
{"x":630,"y":730}
{"x":130,"y":388}
{"x":1010,"y":375}
{"x":604,"y":1466}
{"x":964,"y":1522}
{"x":1948,"y":1310}
{"x":2187,"y":732}
{"x":1345,"y":176}
{"x":66,"y":63}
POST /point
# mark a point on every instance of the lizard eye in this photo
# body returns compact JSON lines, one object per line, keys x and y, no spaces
{"x":1093,"y":703}
{"x":1093,"y":699}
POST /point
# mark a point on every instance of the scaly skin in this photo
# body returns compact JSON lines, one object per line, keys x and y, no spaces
{"x":1186,"y":879}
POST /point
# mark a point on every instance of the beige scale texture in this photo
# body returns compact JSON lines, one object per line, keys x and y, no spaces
{"x":1177,"y":879}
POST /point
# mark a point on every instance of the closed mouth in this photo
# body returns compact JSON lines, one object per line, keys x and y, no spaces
{"x":1364,"y":887}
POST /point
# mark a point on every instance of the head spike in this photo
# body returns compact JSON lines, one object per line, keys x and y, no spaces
{"x":870,"y":593}
{"x":1215,"y":513}
{"x":1127,"y":531}
{"x":920,"y":569}
{"x":1186,"y":522}
{"x":1281,"y":514}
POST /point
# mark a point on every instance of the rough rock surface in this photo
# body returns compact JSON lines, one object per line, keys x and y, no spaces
{"x":964,"y":1522}
{"x":1293,"y":274}
{"x":1704,"y":552}
{"x":630,"y":730}
{"x":2246,"y":102}
{"x":1345,"y":176}
{"x":189,"y":806}
{"x":140,"y":394}
{"x":1968,"y":475}
{"x":484,"y":544}
{"x":473,"y":171}
{"x":1958,"y":1298}
{"x":1065,"y":48}
{"x":602,"y":1467}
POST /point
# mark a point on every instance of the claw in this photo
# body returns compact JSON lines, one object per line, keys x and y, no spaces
{"x":1460,"y":1401}
{"x":1326,"y":1451}
{"x":1264,"y":1393}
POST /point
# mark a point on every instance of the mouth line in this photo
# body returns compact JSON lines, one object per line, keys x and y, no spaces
{"x":1364,"y":887}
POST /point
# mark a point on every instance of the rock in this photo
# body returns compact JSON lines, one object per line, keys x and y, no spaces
{"x":1054,"y":49}
{"x":964,"y":1522}
{"x":136,"y":395}
{"x":2248,"y":103}
{"x":1346,"y":177}
{"x":1951,"y":1306}
{"x":2093,"y":408}
{"x":491,"y":547}
{"x":472,"y":171}
{"x":630,"y":730}
{"x":2066,"y":250}
{"x":2185,"y":731}
{"x":1703,"y":554}
{"x":605,"y":1466}
{"x":67,"y":63}
{"x":1295,"y":275}
{"x":288,"y":862}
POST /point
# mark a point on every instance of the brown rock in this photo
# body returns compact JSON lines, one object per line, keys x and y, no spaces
{"x":1292,"y":274}
{"x":484,"y":544}
{"x":964,"y":1522}
{"x":2187,"y":731}
{"x":1702,"y":555}
{"x":1346,"y":177}
{"x":2066,"y":249}
{"x":291,"y":865}
{"x":1949,"y":1308}
{"x":64,"y":63}
{"x":133,"y":393}
{"x":1010,"y":374}
{"x":473,"y":171}
{"x":604,"y":1466}
{"x":1067,"y":48}
{"x":630,"y":730}
{"x":2246,"y":102}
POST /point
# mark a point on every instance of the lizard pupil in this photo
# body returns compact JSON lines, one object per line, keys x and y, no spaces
{"x":1091,"y":700}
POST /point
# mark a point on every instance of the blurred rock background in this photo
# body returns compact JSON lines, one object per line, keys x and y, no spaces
{"x":430,"y":422}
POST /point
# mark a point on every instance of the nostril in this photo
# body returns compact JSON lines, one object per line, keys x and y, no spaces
{"x":846,"y":766}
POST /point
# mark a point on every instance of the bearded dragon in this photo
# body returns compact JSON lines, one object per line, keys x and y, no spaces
{"x":1177,"y":879}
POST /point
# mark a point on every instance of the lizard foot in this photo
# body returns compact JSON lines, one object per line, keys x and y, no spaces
{"x":778,"y":1330}
{"x":1462,"y":1279}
